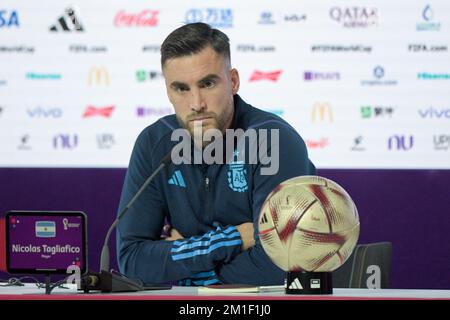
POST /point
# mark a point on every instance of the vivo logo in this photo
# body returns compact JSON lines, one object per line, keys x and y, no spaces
{"x":65,"y":141}
{"x":40,"y":112}
{"x":435,"y":113}
{"x":398,"y":142}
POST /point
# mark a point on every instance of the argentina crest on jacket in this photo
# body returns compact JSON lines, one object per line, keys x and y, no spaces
{"x":237,"y":176}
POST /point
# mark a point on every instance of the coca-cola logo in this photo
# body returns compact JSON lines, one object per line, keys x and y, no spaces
{"x":145,"y":18}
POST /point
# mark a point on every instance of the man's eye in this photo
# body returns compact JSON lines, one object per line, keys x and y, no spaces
{"x":208,"y":84}
{"x":181,"y":89}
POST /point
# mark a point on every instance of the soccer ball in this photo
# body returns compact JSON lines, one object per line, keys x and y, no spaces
{"x":308,"y":223}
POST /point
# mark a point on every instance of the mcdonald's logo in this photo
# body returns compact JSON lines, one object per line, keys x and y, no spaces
{"x":321,"y":112}
{"x":98,"y":76}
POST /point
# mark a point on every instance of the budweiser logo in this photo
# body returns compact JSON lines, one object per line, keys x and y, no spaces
{"x":92,"y":111}
{"x":271,"y":76}
{"x":146,"y":18}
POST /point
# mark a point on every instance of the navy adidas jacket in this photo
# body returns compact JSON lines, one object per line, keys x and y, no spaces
{"x":204,"y":204}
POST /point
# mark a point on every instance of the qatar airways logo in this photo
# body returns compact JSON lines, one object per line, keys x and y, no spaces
{"x":145,"y":18}
{"x":355,"y":17}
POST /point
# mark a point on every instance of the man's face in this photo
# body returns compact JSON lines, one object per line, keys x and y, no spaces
{"x":201,"y":88}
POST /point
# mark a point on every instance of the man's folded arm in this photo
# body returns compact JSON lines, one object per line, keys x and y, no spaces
{"x":254,"y":266}
{"x":141,"y":252}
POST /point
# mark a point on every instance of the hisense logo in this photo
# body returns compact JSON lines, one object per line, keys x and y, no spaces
{"x":433,"y":76}
{"x":43,"y":76}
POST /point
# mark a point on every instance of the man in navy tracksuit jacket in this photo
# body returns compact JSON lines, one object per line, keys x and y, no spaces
{"x":206,"y":205}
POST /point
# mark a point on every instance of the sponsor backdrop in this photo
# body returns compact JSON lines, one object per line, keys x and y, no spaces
{"x":366,"y":84}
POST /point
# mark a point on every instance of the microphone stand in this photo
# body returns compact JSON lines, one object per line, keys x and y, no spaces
{"x":107,"y":281}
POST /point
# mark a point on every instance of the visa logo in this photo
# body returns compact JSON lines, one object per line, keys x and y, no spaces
{"x":435,"y":113}
{"x":40,"y":112}
{"x":45,"y":229}
{"x":7,"y":19}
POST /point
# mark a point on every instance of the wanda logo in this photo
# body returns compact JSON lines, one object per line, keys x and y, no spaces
{"x":145,"y":18}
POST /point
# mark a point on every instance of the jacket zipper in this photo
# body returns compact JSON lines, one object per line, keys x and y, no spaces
{"x":206,"y":183}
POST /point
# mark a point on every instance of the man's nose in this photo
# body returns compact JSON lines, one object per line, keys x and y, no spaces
{"x":197,"y":102}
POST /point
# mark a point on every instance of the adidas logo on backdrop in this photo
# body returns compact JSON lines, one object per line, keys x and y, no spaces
{"x":67,"y":22}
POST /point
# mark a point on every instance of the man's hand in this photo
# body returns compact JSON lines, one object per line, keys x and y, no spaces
{"x":246,"y":230}
{"x":174,"y":235}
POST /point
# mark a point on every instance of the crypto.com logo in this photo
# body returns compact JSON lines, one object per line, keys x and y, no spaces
{"x":252,"y":146}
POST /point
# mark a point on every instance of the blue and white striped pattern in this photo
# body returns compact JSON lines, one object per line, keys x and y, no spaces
{"x":197,"y":246}
{"x":200,"y":279}
{"x":45,"y":229}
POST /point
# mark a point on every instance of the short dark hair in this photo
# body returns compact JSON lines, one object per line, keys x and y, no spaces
{"x":191,"y":39}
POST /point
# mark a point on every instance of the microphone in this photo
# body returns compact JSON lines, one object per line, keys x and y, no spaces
{"x":107,"y":281}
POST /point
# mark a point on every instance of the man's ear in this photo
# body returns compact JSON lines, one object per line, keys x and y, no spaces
{"x":235,"y":82}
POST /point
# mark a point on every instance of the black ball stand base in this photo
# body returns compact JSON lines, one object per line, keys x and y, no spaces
{"x":300,"y":282}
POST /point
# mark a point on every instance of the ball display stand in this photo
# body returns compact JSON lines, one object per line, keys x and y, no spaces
{"x":301,"y":282}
